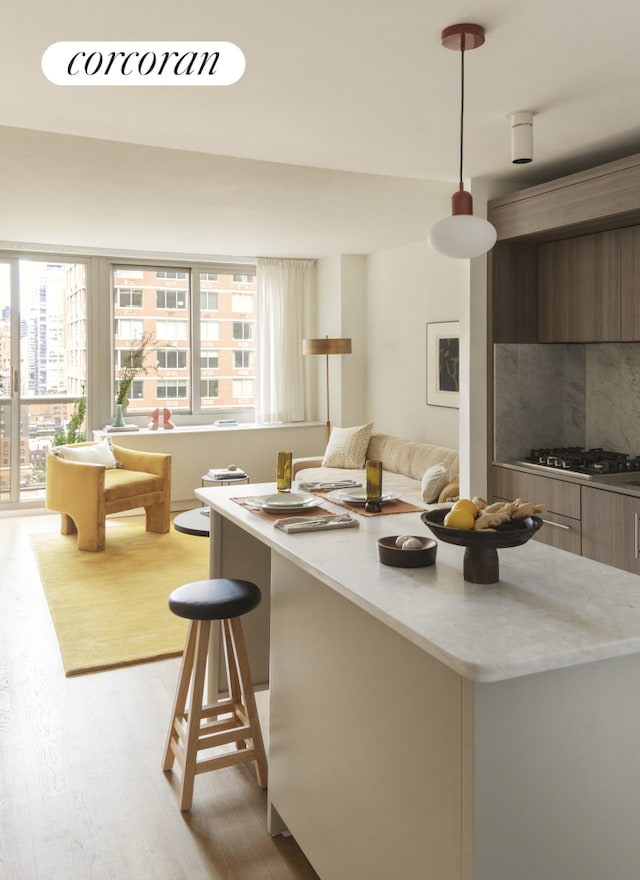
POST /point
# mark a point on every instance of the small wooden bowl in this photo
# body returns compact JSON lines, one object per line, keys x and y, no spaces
{"x":418,"y":557}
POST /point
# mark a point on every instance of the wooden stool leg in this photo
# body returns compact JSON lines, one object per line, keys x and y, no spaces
{"x":194,"y":717}
{"x":180,"y":701}
{"x":241,"y":662}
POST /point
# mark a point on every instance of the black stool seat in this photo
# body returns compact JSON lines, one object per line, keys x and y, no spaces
{"x":214,"y":599}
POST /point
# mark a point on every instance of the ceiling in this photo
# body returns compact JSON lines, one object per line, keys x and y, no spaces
{"x":351,"y":86}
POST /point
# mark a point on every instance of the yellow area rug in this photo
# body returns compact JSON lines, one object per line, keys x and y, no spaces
{"x":110,"y":609}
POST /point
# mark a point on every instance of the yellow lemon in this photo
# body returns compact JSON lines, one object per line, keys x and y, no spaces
{"x":466,"y":504}
{"x":459,"y":519}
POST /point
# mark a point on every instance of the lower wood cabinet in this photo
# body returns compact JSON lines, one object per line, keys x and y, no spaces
{"x":562,"y":521}
{"x":598,"y":523}
{"x":611,"y":528}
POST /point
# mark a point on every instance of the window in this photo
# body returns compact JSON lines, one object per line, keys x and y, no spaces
{"x":136,"y":392}
{"x":171,"y":299}
{"x":242,"y":302}
{"x":122,"y":356}
{"x":172,"y":389}
{"x":209,"y":300}
{"x":209,"y":387}
{"x":210,"y":331}
{"x":242,"y":330}
{"x":177,"y":307}
{"x":242,"y":360}
{"x":242,"y":388}
{"x":208,"y":359}
{"x":129,"y":298}
{"x":129,"y":329}
{"x":172,"y":359}
{"x":168,"y":330}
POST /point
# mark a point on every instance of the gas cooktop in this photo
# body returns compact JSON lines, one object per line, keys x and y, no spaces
{"x":590,"y":463}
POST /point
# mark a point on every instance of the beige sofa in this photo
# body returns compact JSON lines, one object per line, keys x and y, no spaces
{"x":404,"y":465}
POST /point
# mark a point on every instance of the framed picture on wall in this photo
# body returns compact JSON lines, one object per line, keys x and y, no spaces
{"x":443,"y":363}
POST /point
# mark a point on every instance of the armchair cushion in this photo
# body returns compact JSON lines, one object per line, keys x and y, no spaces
{"x":90,"y":453}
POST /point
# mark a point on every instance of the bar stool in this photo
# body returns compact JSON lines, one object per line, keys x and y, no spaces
{"x":231,"y":720}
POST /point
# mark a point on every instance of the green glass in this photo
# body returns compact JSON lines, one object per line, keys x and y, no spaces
{"x":373,"y":497}
{"x":283,"y":472}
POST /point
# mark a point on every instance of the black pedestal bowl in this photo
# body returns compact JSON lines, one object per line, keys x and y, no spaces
{"x":481,"y":564}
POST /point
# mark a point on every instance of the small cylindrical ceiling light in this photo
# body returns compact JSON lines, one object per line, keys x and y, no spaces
{"x":521,"y":136}
{"x":463,"y":235}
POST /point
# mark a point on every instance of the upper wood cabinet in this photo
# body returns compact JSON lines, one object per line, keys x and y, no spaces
{"x":579,"y":289}
{"x":589,"y":288}
{"x":566,"y":267}
{"x":629,"y":283}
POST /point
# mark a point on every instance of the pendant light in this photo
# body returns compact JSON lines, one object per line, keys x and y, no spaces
{"x":463,"y":235}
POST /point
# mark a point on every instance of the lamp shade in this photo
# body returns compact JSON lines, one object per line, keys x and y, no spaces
{"x":462,"y":236}
{"x":326,"y":346}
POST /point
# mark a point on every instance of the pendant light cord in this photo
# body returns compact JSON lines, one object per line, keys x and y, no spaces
{"x":461,"y":106}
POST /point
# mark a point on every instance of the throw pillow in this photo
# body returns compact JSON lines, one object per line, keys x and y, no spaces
{"x":94,"y":453}
{"x":434,"y":480}
{"x":347,"y":447}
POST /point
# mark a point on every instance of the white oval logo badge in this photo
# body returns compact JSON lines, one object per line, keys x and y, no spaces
{"x":143,"y":64}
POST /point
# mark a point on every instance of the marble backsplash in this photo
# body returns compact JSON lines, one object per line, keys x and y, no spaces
{"x":566,"y":395}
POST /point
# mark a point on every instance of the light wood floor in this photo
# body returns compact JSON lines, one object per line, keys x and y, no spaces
{"x":82,"y":794}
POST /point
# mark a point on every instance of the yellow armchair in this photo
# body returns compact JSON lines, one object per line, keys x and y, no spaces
{"x":85,"y":494}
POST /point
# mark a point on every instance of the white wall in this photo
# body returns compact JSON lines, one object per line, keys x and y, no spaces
{"x":407,"y":288}
{"x":196,"y":450}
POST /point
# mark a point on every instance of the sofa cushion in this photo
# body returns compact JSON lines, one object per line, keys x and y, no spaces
{"x":347,"y":447}
{"x":119,"y":484}
{"x":433,"y":482}
{"x":89,"y":453}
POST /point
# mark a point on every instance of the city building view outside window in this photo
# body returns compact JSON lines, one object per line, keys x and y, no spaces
{"x":43,"y":366}
{"x":200,"y":331}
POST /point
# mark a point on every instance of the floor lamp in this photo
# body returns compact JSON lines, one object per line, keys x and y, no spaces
{"x":326,"y":347}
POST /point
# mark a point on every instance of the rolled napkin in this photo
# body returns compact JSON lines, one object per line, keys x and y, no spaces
{"x":318,"y":524}
{"x":322,"y":485}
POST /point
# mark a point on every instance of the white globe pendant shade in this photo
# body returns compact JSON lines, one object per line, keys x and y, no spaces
{"x":462,"y":236}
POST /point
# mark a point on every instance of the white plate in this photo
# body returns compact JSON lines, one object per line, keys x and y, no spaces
{"x":285,"y":501}
{"x":359,"y":496}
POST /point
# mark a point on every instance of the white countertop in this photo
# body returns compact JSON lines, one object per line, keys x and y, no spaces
{"x":550,"y":609}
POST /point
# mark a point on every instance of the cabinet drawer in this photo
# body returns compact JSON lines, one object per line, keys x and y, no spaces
{"x":561,"y":532}
{"x":560,"y":497}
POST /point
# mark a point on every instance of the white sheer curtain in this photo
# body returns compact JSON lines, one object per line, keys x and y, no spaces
{"x":284,"y":291}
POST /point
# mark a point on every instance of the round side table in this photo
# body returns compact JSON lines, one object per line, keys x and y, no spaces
{"x":227,"y":480}
{"x":193,"y":522}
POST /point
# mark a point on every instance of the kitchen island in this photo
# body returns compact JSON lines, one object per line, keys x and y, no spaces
{"x":425,"y":727}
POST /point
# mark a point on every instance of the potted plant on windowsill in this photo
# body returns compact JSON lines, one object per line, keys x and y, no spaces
{"x":71,"y":432}
{"x":132,"y":365}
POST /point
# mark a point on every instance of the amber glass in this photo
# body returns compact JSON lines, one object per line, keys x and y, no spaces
{"x":283,"y":472}
{"x":373,"y":501}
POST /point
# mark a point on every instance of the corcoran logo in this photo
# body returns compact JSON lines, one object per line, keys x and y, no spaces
{"x":143,"y":64}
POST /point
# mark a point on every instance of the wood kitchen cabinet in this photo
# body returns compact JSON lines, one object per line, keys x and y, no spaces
{"x":629,"y":283}
{"x":562,"y":527}
{"x":610,"y":528}
{"x":579,"y":288}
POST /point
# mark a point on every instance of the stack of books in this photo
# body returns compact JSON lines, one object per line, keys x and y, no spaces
{"x":226,"y":474}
